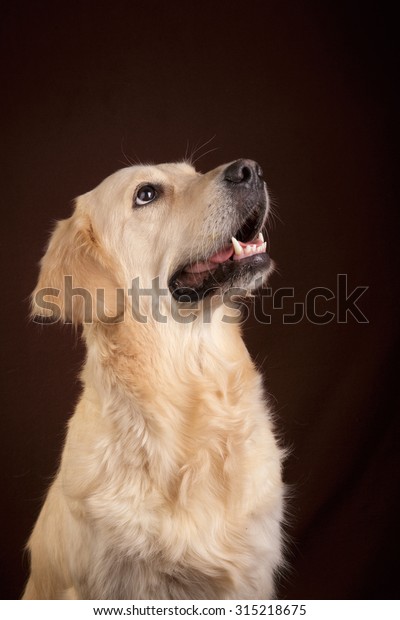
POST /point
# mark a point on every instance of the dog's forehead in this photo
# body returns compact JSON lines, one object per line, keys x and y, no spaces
{"x":173,"y":173}
{"x":176,"y":170}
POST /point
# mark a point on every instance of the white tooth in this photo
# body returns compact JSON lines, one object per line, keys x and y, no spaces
{"x":264,"y":246}
{"x":261,"y":236}
{"x":248,"y":249}
{"x":237,"y":247}
{"x":254,"y":247}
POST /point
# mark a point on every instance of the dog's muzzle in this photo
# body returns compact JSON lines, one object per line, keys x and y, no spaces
{"x":241,"y":252}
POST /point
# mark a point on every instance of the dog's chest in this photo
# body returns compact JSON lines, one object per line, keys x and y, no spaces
{"x":172,"y":513}
{"x":177,"y":509}
{"x":181,"y":493}
{"x":164,"y":551}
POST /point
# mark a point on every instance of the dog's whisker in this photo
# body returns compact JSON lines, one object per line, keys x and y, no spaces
{"x":198,"y":148}
{"x":187,"y":158}
{"x":204,"y":154}
{"x":129,"y":162}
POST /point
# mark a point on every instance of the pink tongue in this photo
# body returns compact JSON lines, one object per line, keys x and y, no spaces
{"x":220,"y":257}
{"x":216,"y":259}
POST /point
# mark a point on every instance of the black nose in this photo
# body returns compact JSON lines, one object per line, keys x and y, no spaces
{"x":243,"y":171}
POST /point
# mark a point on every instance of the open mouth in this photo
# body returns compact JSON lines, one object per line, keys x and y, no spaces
{"x":233,"y":265}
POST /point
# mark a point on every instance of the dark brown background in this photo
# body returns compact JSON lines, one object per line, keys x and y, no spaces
{"x":303,"y":88}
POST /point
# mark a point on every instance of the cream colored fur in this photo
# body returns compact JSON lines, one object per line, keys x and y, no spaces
{"x":170,"y":479}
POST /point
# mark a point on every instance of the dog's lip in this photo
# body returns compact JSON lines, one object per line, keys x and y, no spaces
{"x":199,"y":278}
{"x":192,"y":287}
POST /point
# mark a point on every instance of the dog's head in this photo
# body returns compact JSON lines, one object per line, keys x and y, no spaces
{"x":197,"y":234}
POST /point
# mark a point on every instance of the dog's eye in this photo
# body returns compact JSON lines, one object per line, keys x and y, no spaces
{"x":145,"y":194}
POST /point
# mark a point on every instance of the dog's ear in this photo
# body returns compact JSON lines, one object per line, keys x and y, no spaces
{"x":78,"y":281}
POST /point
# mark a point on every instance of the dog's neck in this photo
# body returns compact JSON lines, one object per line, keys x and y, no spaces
{"x":165,"y":388}
{"x":155,"y":366}
{"x":131,"y":353}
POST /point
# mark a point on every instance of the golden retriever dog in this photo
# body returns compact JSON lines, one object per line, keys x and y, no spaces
{"x":169,"y":485}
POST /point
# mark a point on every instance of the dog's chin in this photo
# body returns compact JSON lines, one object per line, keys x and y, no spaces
{"x":240,"y":276}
